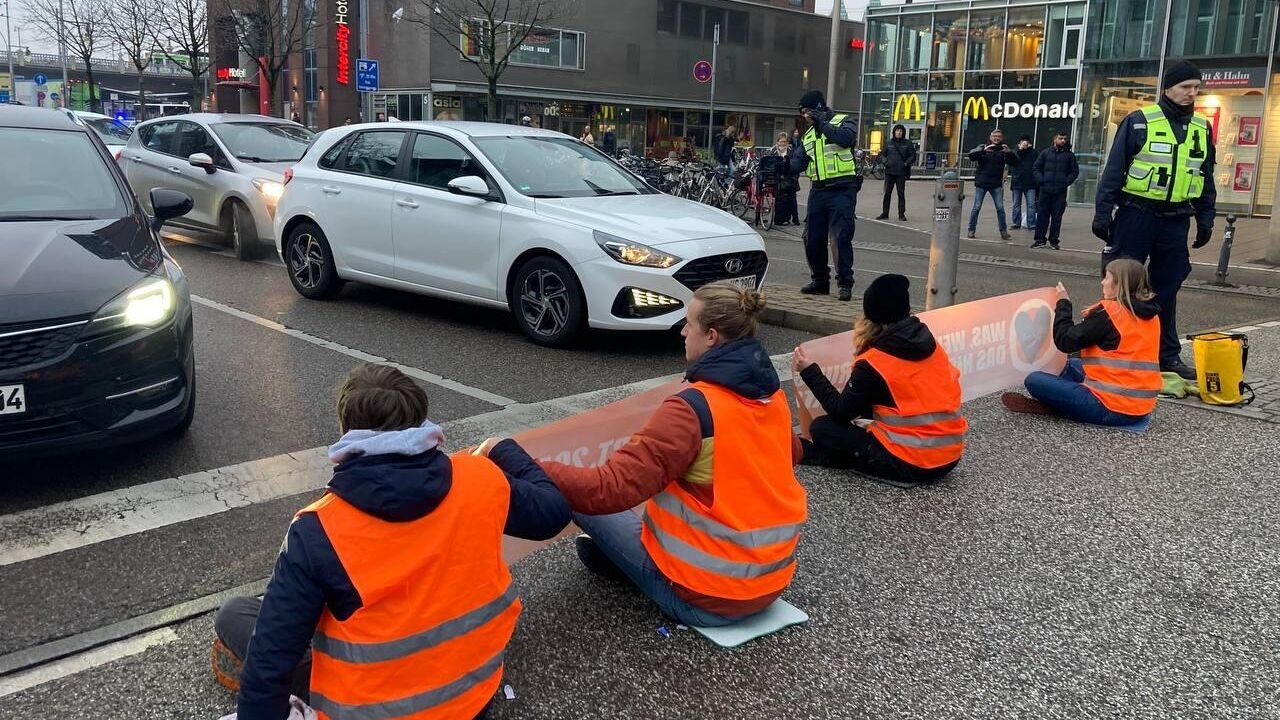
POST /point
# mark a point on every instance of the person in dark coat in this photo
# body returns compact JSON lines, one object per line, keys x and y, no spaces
{"x":899,"y":156}
{"x":1055,"y":170}
{"x":1022,"y":183}
{"x":786,"y":210}
{"x":826,"y":155}
{"x":991,"y":160}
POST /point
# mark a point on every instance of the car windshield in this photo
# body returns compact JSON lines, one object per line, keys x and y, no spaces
{"x":557,"y":167}
{"x":112,"y":131}
{"x":55,"y":175}
{"x":264,"y":142}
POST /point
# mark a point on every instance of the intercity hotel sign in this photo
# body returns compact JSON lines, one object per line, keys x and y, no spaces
{"x":977,"y":107}
{"x":342,"y":37}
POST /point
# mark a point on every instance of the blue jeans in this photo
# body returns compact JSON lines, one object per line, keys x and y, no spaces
{"x":1072,"y":400}
{"x":997,"y":197}
{"x":618,"y":536}
{"x":1030,"y":198}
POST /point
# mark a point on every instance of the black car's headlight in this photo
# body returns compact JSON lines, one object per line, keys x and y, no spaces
{"x":149,"y":304}
{"x":629,"y":252}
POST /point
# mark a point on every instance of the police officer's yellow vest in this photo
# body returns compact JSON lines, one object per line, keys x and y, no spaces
{"x":1165,"y":169}
{"x":827,"y":161}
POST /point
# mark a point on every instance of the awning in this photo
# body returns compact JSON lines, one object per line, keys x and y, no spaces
{"x":241,"y":84}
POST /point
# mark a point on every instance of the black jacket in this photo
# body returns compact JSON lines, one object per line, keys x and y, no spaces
{"x":909,"y":339}
{"x":1022,"y":177}
{"x":1128,"y":141}
{"x":845,"y":135}
{"x":1095,"y":328}
{"x":1056,"y":169}
{"x":724,"y":149}
{"x":899,"y":157}
{"x":991,"y":164}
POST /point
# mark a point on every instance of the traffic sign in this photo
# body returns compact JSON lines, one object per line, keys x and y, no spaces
{"x":702,"y":71}
{"x":366,"y":75}
{"x":4,"y":96}
{"x":54,"y":96}
{"x":41,"y":79}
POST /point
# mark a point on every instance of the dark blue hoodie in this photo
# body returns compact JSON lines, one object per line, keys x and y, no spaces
{"x":309,"y":577}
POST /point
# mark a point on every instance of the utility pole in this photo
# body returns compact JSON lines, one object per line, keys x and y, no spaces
{"x":62,"y":51}
{"x":835,"y":51}
{"x":711,"y":116}
{"x":8,"y":50}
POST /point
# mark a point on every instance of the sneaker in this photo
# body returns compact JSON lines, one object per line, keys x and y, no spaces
{"x":1038,"y":244}
{"x":1055,"y":246}
{"x":594,"y":559}
{"x":882,"y":216}
{"x":816,"y":288}
{"x":1183,"y":370}
{"x":902,"y":218}
{"x":1019,"y":403}
{"x":971,"y":235}
{"x":846,"y":293}
{"x":226,"y":666}
{"x":1004,"y":235}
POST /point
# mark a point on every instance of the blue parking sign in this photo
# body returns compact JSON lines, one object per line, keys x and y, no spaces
{"x":366,"y":75}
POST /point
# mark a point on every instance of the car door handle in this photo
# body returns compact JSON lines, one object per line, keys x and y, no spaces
{"x":175,"y":171}
{"x":331,"y":190}
{"x":407,"y":203}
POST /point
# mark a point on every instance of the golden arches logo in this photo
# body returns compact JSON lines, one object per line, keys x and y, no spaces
{"x":976,"y":107}
{"x":902,"y":109}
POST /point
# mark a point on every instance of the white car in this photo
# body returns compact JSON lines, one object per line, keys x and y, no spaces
{"x":114,"y":134}
{"x":514,"y":217}
{"x":231,"y":165}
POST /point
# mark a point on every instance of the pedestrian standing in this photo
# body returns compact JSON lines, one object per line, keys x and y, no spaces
{"x":526,"y":121}
{"x":723,"y":148}
{"x":899,"y":156}
{"x":991,"y":160}
{"x":1159,"y":175}
{"x":786,"y":210}
{"x":1023,"y":185}
{"x":586,"y":135}
{"x":1055,"y":170}
{"x":825,"y":155}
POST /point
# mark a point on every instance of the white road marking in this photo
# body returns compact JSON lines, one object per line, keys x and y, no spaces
{"x":85,"y":661}
{"x":423,"y":375}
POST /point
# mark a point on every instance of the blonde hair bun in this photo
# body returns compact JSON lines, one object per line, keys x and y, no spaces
{"x":751,"y":302}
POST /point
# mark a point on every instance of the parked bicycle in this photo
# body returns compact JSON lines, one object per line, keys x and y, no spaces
{"x":869,"y":164}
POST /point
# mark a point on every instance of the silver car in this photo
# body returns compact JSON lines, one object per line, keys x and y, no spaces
{"x":232,"y":166}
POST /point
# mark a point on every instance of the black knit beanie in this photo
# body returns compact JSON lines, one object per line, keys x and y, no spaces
{"x":812,"y":100}
{"x":887,"y":299}
{"x":1178,"y":72}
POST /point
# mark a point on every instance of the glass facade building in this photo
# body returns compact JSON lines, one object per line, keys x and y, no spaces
{"x":943,"y":68}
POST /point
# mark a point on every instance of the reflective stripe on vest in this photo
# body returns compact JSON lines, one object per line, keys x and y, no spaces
{"x":925,"y":429}
{"x":827,"y":161}
{"x":405,"y":707}
{"x":1164,"y":169}
{"x":741,"y":546}
{"x":1127,"y":379}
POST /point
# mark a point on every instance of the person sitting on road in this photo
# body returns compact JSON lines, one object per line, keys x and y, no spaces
{"x":898,"y":417}
{"x":713,"y":468}
{"x":1116,"y":379}
{"x":402,"y":553}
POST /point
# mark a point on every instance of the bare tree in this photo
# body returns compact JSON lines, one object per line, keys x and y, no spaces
{"x":486,"y":32}
{"x":269,"y":31}
{"x":131,"y":26}
{"x":182,"y":29}
{"x":82,"y":31}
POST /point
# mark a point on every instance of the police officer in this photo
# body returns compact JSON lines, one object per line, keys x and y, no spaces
{"x":1160,"y":174}
{"x":825,"y":154}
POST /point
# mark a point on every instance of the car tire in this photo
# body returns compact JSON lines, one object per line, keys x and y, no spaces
{"x":239,"y":230}
{"x":309,"y":261}
{"x":547,"y":302}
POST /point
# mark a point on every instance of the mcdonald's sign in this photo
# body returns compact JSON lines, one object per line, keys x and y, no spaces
{"x":902,"y":109}
{"x":977,"y":108}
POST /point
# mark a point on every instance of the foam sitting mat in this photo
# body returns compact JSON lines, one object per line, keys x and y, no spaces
{"x":778,"y":616}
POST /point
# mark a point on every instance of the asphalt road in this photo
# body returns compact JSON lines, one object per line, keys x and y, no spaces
{"x":268,"y":394}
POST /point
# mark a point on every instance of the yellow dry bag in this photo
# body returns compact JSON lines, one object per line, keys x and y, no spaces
{"x":1220,"y":362}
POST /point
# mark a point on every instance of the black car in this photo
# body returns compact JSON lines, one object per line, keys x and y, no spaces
{"x":95,"y":317}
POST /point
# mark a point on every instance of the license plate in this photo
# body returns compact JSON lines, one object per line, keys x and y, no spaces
{"x":746,"y":283}
{"x":13,"y":399}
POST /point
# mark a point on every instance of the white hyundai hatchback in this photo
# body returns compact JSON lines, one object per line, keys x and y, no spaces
{"x":514,"y":217}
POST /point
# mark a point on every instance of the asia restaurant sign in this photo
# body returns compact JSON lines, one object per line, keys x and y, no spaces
{"x":1233,"y":78}
{"x":342,"y":41}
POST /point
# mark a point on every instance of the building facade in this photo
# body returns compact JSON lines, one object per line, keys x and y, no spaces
{"x":951,"y":71}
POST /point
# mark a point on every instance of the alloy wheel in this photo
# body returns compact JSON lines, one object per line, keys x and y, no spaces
{"x":544,"y":302}
{"x":306,"y":260}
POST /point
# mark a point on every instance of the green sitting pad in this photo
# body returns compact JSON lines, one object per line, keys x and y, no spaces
{"x":781,"y":614}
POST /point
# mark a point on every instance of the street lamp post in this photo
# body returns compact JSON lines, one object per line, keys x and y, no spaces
{"x":8,"y":48}
{"x":62,"y":51}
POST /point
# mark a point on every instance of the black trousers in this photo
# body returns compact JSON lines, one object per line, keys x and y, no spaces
{"x":1049,"y":209}
{"x":845,"y":446}
{"x":786,"y":208}
{"x":830,"y":210}
{"x":899,"y":182}
{"x":1144,"y":236}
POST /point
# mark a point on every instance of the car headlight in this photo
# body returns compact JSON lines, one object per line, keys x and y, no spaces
{"x":629,"y":252}
{"x":150,"y":303}
{"x":270,"y":189}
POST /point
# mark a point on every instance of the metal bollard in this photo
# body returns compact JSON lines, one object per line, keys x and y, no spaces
{"x":1224,"y":257}
{"x":944,"y":250}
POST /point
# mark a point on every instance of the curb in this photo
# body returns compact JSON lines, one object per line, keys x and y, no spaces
{"x":805,"y":322}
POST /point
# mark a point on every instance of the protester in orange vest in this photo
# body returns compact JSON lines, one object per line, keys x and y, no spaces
{"x":1116,"y":379}
{"x":713,"y":469}
{"x":898,"y":418}
{"x":389,"y":597}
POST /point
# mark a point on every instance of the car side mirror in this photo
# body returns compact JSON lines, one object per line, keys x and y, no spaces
{"x":168,"y":204}
{"x":472,"y":185}
{"x":202,"y":160}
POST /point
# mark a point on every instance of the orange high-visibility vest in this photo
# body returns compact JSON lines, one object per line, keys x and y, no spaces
{"x":743,"y":545}
{"x":1126,"y":380}
{"x":438,"y":606}
{"x":926,"y":430}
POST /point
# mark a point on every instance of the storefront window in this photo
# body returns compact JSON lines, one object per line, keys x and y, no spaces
{"x":986,"y":41}
{"x":946,"y":81}
{"x":1236,"y":119}
{"x":1065,"y":37}
{"x":1025,"y":38}
{"x":1120,"y":29}
{"x":1110,"y":90}
{"x":881,"y":48}
{"x":941,"y":146}
{"x":1022,"y":80}
{"x":874,"y":83}
{"x":1219,"y":27}
{"x":912,"y":82}
{"x":915,"y":42}
{"x":1264,"y":195}
{"x":877,"y":113}
{"x":950,"y":30}
{"x":982,"y":81}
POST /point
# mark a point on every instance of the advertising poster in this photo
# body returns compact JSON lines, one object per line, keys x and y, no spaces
{"x":1212,"y":113}
{"x":1249,"y":131}
{"x":1244,"y":177}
